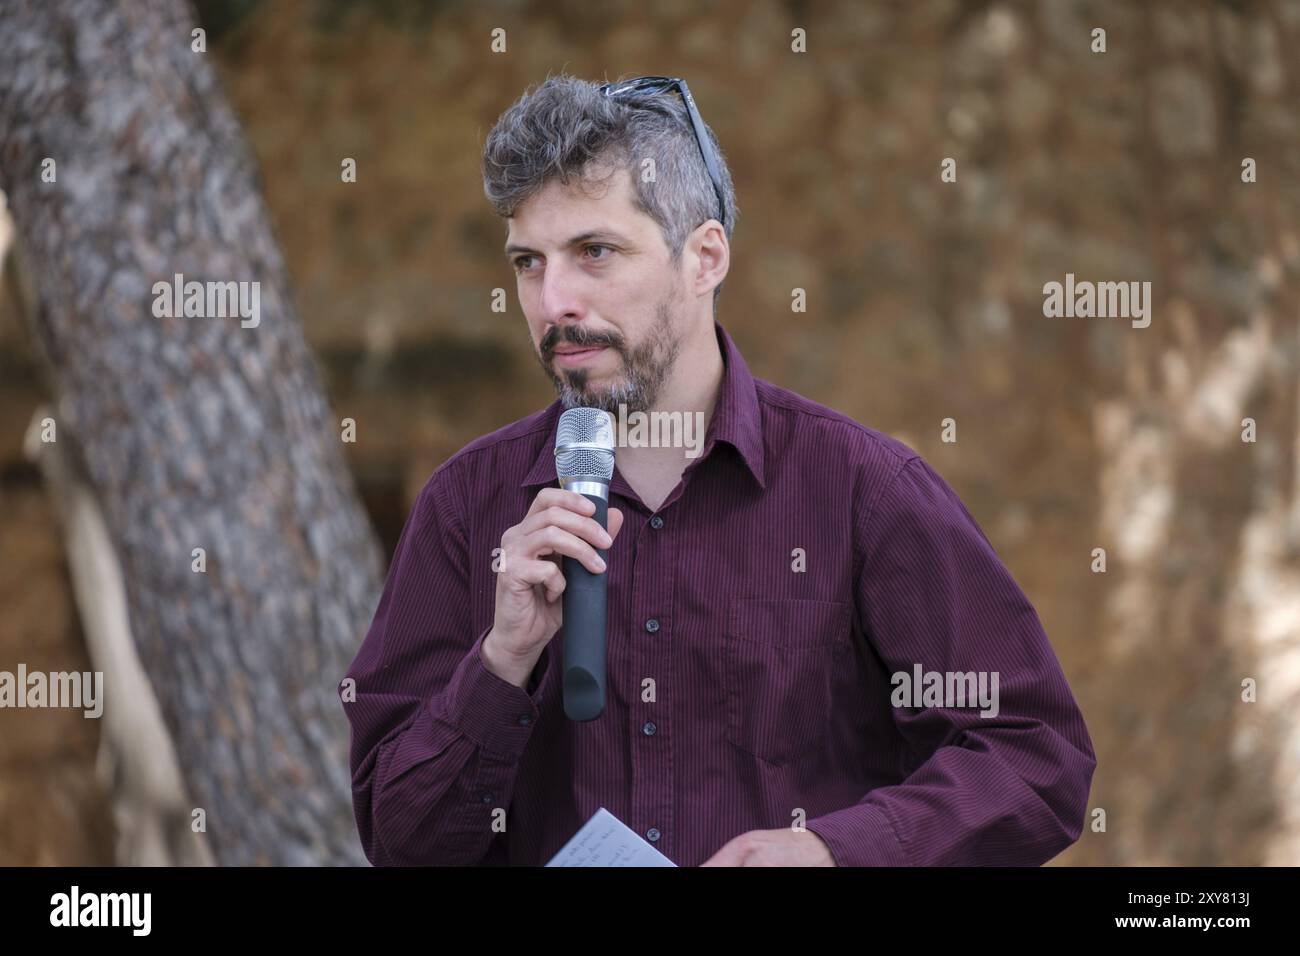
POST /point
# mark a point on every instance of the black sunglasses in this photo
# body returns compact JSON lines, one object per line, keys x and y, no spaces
{"x":658,"y":84}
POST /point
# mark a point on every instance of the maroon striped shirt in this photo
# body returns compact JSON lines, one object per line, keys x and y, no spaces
{"x":756,"y":624}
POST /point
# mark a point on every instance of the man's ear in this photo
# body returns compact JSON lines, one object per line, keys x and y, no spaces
{"x":709,"y":242}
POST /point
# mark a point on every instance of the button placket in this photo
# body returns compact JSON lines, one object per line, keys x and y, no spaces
{"x":652,"y":581}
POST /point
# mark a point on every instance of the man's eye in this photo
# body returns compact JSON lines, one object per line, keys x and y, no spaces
{"x":519,"y":262}
{"x":600,"y":247}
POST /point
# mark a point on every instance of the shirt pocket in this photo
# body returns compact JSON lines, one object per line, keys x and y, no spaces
{"x":781,"y":659}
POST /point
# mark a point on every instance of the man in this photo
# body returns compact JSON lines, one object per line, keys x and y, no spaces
{"x":772,"y":594}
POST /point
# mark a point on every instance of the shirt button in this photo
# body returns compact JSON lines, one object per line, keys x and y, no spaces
{"x":525,"y":719}
{"x":649,"y":728}
{"x":656,"y":522}
{"x":486,"y":796}
{"x":652,"y":625}
{"x":652,"y":834}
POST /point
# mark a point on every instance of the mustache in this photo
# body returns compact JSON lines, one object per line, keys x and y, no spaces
{"x":577,"y":336}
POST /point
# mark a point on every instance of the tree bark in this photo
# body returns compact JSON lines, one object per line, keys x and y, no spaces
{"x":195,"y":432}
{"x":136,"y":762}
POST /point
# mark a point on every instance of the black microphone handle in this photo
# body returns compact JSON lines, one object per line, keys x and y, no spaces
{"x":584,"y":630}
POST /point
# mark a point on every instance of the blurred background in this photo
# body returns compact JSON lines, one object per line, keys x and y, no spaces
{"x":925,"y":303}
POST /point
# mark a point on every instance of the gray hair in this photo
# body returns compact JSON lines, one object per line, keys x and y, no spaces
{"x":566,"y":125}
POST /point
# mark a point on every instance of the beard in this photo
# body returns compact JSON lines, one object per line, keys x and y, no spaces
{"x":635,"y":386}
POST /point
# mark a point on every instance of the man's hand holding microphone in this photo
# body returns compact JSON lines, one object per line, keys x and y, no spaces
{"x":529,"y":611}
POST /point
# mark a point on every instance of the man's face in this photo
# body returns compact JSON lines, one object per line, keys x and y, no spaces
{"x":602,"y":301}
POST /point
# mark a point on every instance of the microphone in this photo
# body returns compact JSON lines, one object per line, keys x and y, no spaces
{"x":584,"y":462}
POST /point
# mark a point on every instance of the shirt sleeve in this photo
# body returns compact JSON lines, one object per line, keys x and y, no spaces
{"x":434,"y":732}
{"x":1002,"y":785}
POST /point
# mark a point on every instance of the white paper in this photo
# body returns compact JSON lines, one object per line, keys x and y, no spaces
{"x":605,"y":840}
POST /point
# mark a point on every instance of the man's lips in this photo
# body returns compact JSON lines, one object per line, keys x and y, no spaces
{"x":577,"y":356}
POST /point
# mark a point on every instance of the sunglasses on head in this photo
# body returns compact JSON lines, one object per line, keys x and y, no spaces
{"x":649,"y":85}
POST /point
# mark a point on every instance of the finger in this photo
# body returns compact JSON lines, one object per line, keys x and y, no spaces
{"x":614,"y":518}
{"x":555,"y":586}
{"x":542,"y":576}
{"x":558,"y":497}
{"x":588,"y":529}
{"x":733,"y":852}
{"x":552,"y":539}
{"x":724,"y":857}
{"x":526,"y":573}
{"x":553,"y":583}
{"x":531,"y":571}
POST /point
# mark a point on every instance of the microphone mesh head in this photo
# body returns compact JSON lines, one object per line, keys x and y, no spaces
{"x":587,"y":427}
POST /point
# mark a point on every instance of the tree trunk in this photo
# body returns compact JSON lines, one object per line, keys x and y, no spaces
{"x":195,"y":432}
{"x":136,"y":762}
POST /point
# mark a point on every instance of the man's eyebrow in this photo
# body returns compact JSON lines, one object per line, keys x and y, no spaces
{"x":588,"y":236}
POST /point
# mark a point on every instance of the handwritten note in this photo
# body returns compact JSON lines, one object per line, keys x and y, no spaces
{"x":605,"y":840}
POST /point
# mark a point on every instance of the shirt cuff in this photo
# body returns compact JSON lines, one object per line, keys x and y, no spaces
{"x":860,"y":835}
{"x":491,"y":711}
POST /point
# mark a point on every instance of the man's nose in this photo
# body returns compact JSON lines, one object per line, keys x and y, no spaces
{"x":561,"y":301}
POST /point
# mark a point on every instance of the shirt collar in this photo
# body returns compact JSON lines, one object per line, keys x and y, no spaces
{"x":736,"y":419}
